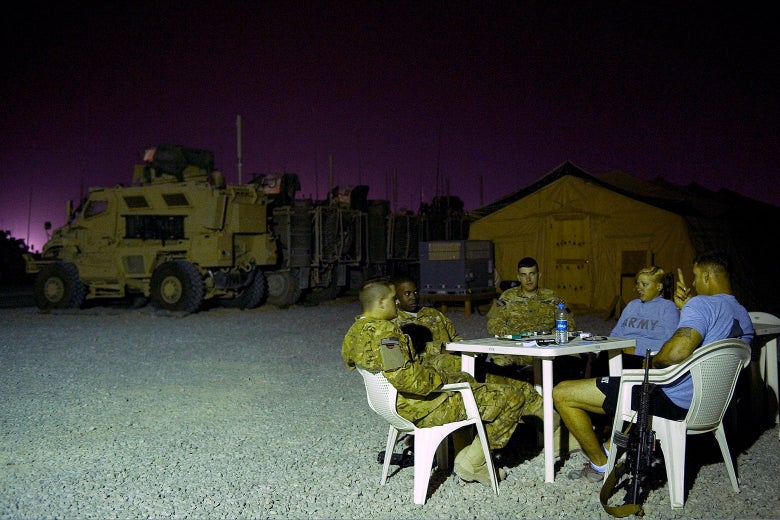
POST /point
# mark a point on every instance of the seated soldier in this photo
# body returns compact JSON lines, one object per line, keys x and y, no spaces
{"x":650,"y":319}
{"x":376,"y":343}
{"x":440,"y":327}
{"x":524,"y":308}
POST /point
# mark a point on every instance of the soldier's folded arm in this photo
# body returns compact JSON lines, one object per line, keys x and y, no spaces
{"x":414,"y":378}
{"x":405,"y":374}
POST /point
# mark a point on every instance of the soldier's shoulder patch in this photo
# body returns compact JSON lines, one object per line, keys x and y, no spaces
{"x":392,"y":354}
{"x":390,"y":342}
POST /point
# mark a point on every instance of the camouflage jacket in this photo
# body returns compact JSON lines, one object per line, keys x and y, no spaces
{"x":377,"y":344}
{"x":515,"y":313}
{"x":441,"y":328}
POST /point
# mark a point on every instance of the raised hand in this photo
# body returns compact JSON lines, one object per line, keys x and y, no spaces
{"x":682,"y":292}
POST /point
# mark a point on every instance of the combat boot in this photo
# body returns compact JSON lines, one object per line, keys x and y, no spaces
{"x":470,"y":464}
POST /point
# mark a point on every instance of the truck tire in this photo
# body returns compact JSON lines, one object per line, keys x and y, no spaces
{"x":58,"y":286}
{"x":254,"y":293}
{"x":284,"y":289}
{"x":177,"y":286}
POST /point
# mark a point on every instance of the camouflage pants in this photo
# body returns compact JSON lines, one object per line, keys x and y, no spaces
{"x":499,"y":405}
{"x":533,"y":402}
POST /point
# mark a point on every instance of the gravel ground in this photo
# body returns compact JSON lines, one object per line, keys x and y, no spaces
{"x":115,"y":412}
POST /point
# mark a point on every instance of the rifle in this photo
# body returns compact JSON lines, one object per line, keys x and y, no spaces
{"x":639,"y":443}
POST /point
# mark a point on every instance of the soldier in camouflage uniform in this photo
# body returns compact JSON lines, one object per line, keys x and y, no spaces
{"x":430,"y":327}
{"x":524,"y":308}
{"x":376,"y":343}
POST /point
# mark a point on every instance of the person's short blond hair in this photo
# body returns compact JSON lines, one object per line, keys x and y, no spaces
{"x":658,"y":275}
{"x":372,"y":291}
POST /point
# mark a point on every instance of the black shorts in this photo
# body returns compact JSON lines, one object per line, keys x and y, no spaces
{"x":660,"y":404}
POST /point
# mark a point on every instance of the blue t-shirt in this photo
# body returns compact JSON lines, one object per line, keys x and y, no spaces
{"x":715,"y":317}
{"x":650,"y":323}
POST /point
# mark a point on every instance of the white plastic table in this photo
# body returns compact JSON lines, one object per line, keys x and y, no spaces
{"x":543,"y":355}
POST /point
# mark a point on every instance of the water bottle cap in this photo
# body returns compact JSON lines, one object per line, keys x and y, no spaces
{"x":560,"y":305}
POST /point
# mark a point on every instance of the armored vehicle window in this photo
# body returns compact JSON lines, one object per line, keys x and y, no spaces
{"x":175,"y":199}
{"x":136,"y":201}
{"x":95,"y":207}
{"x":154,"y":227}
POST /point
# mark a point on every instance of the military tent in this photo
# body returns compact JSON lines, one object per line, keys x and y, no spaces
{"x":592,"y":233}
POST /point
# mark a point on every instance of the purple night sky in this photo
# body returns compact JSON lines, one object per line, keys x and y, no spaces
{"x":502,"y":92}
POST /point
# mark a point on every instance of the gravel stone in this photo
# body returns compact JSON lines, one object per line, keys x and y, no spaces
{"x":117,"y":412}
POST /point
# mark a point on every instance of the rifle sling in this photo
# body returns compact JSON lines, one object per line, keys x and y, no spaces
{"x":608,"y":488}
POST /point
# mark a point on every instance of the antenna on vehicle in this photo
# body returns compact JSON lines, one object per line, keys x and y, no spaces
{"x":316,"y":175}
{"x":395,"y":189}
{"x":238,"y":145}
{"x":29,"y":216}
{"x":438,"y":166}
{"x":330,"y":173}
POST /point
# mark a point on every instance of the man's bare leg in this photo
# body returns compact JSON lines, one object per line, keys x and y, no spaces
{"x":575,"y":400}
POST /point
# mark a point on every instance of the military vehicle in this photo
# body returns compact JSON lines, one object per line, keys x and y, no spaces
{"x":179,"y":235}
{"x":328,"y":246}
{"x":319,"y":242}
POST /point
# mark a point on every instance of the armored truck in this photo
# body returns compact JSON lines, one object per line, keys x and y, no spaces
{"x":178,"y":236}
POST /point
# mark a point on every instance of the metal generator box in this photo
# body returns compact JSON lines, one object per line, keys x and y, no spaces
{"x":456,"y":267}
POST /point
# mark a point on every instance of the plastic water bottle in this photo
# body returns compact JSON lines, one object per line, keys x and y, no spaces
{"x":561,"y":325}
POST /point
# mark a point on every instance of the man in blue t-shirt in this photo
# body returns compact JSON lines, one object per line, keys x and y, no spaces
{"x":713,"y":314}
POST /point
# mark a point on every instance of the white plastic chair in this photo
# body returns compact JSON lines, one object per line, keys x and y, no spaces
{"x":767,"y":361}
{"x":382,"y":399}
{"x":714,"y":369}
